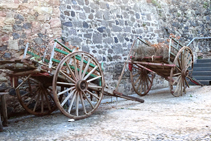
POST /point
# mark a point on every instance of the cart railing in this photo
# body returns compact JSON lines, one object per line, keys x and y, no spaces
{"x":52,"y":59}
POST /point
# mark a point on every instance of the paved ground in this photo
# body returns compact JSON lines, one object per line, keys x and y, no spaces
{"x":161,"y":117}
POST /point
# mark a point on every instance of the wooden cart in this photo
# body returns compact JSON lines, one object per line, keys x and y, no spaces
{"x":75,"y":84}
{"x":175,"y":69}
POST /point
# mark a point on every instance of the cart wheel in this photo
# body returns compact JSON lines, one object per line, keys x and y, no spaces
{"x":81,"y":79}
{"x":35,"y":97}
{"x":141,"y":81}
{"x":180,"y":73}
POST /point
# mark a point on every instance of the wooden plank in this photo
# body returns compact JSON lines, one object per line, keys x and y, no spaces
{"x":63,"y":45}
{"x":4,"y":110}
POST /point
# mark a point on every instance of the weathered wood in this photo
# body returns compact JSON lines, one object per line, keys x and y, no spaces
{"x":1,"y":126}
{"x":4,"y":109}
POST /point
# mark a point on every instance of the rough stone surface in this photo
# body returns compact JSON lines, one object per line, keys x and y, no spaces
{"x":161,"y":117}
{"x":116,"y":23}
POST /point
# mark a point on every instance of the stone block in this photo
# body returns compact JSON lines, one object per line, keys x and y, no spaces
{"x":9,"y":21}
{"x":17,"y":27}
{"x":97,"y":38}
{"x":27,"y":25}
{"x":101,"y":29}
{"x":43,"y":10}
{"x":85,"y":48}
{"x":15,"y":36}
{"x":91,"y":16}
{"x":108,"y":40}
{"x":72,"y":13}
{"x":116,"y":28}
{"x":68,"y":24}
{"x":82,"y":16}
{"x":2,"y":23}
{"x":67,"y":13}
{"x":7,"y":29}
{"x":55,"y":22}
{"x":46,"y":26}
{"x":13,"y":44}
{"x":75,"y":41}
{"x":85,"y":25}
{"x":89,"y":36}
{"x":8,"y":5}
{"x":80,"y":2}
{"x":57,"y":31}
{"x":5,"y":38}
{"x":127,"y":29}
{"x":3,"y":48}
{"x":87,"y":9}
{"x":3,"y":14}
{"x":19,"y":17}
{"x":38,"y":41}
{"x":54,"y":2}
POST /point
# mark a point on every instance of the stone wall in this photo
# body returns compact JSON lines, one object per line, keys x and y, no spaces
{"x":107,"y":28}
{"x":104,"y":28}
{"x":27,"y":21}
{"x":34,"y":21}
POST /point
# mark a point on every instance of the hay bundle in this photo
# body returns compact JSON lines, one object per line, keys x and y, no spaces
{"x":143,"y":51}
{"x":159,"y":49}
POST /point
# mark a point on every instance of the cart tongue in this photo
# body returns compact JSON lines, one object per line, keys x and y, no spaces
{"x":118,"y":94}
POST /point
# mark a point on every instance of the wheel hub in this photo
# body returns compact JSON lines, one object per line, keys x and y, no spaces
{"x":81,"y":85}
{"x":184,"y":73}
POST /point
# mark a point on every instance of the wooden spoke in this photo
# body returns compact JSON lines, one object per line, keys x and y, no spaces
{"x":90,"y":80}
{"x":177,"y":79}
{"x":72,"y":74}
{"x":67,"y":76}
{"x":136,"y":74}
{"x":82,"y":102}
{"x":86,"y":68}
{"x":88,"y":100}
{"x":23,"y":82}
{"x":186,"y":82}
{"x":81,"y":66}
{"x":67,"y":84}
{"x":90,"y":73}
{"x":178,"y":61}
{"x":71,"y":104}
{"x":46,"y":99}
{"x":42,"y":102}
{"x":68,"y":97}
{"x":76,"y":68}
{"x":37,"y":100}
{"x":178,"y":68}
{"x":177,"y":74}
{"x":139,"y":84}
{"x":93,"y":94}
{"x":137,"y":79}
{"x":94,"y":87}
{"x":26,"y":94}
{"x":77,"y":102}
{"x":67,"y":90}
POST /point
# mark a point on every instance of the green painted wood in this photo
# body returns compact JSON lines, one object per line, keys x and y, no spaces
{"x":77,"y":57}
{"x":63,"y":45}
{"x":56,"y":61}
{"x":61,"y":51}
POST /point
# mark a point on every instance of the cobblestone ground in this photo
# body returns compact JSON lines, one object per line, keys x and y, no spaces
{"x":161,"y":117}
